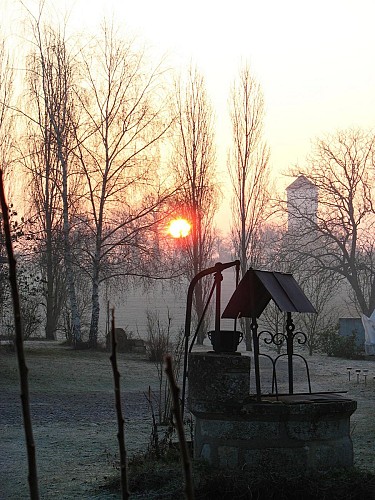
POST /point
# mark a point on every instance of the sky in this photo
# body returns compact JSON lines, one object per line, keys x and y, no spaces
{"x":313,"y":59}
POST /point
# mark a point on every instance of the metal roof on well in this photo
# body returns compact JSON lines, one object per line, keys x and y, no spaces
{"x":257,"y":288}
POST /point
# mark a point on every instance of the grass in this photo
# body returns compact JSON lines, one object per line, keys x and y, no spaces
{"x":76,"y":448}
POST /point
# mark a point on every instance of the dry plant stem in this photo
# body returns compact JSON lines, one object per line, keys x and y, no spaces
{"x":186,"y":462}
{"x":23,"y":370}
{"x":120,"y":418}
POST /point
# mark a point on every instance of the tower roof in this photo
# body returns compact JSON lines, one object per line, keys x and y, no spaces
{"x":301,"y":182}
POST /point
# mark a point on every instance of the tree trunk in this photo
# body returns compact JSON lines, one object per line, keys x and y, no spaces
{"x":245,"y":322}
{"x":76,"y":321}
{"x":55,"y":293}
{"x":246,"y":325}
{"x":94,"y":326}
{"x":199,"y":307}
{"x":51,"y":319}
{"x":50,"y":327}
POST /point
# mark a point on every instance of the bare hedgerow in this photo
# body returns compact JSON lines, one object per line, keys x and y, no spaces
{"x":158,"y":337}
{"x":160,"y":342}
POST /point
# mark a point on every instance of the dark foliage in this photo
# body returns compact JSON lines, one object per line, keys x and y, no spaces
{"x":339,"y":346}
{"x":351,"y":484}
{"x":161,"y":479}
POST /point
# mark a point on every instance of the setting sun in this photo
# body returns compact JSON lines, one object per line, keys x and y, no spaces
{"x":179,"y":228}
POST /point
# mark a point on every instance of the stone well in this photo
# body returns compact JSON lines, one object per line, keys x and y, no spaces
{"x":234,"y":430}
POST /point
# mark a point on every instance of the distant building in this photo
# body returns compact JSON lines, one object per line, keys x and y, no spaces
{"x":302,"y":203}
{"x":353,"y":326}
{"x":302,"y":213}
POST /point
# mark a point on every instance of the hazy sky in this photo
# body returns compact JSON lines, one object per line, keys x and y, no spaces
{"x":314,"y":59}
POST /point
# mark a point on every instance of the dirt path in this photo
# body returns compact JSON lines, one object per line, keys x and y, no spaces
{"x":75,"y":426}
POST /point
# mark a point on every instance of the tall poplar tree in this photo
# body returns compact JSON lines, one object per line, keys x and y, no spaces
{"x":248,"y":166}
{"x":194,"y":165}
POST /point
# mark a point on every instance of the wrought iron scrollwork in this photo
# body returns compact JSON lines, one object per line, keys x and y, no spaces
{"x":276,"y":339}
{"x":300,"y":337}
{"x":288,"y":337}
{"x":268,"y":340}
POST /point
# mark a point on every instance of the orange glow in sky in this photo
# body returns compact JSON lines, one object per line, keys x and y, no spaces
{"x":179,"y":228}
{"x":316,"y":79}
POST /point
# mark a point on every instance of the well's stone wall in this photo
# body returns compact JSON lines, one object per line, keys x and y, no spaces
{"x":309,"y":431}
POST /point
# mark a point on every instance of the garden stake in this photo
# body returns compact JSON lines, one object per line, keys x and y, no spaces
{"x":23,"y":370}
{"x":120,"y":418}
{"x":186,"y":462}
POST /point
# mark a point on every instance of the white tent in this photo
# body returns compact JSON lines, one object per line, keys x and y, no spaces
{"x":369,"y":326}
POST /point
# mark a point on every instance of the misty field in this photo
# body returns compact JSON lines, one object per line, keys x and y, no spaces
{"x":74,"y":419}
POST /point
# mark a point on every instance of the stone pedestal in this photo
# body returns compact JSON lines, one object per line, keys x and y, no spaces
{"x":218,"y":383}
{"x":309,"y":431}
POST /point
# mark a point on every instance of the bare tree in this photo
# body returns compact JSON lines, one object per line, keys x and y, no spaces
{"x":122,"y":123}
{"x":248,"y":165}
{"x":319,"y":285}
{"x":340,"y":236}
{"x":50,"y":142}
{"x":320,"y":288}
{"x":6,"y":114}
{"x":194,"y":169}
{"x":6,"y":159}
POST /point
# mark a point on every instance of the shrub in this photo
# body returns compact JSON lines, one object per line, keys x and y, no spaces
{"x":123,"y":340}
{"x":158,"y":337}
{"x":339,"y":346}
{"x":159,"y":343}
